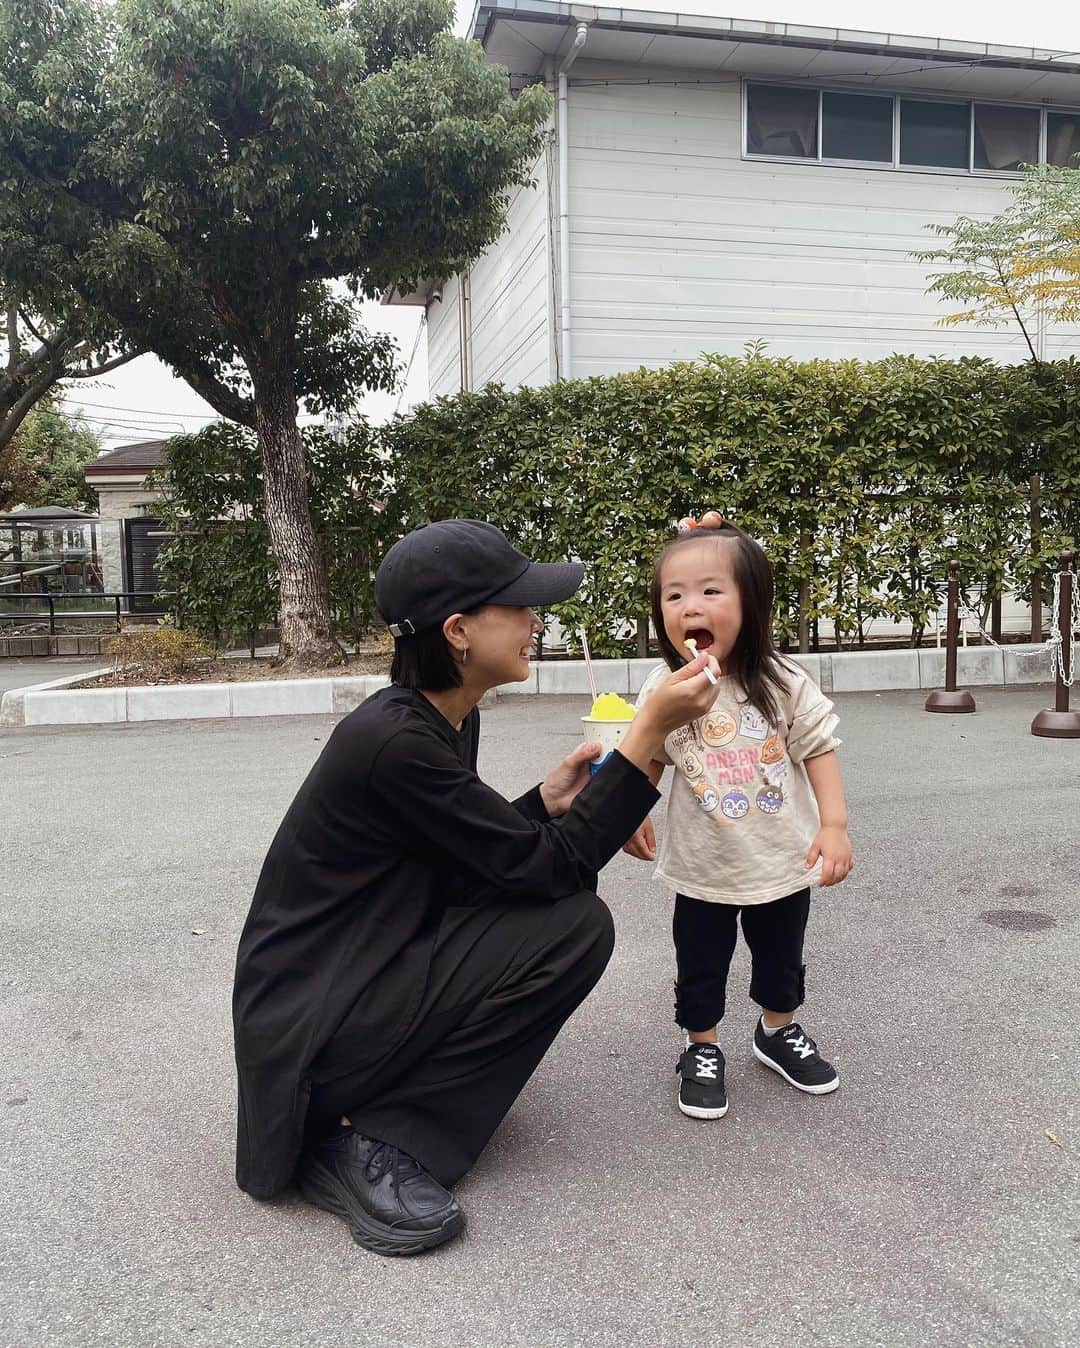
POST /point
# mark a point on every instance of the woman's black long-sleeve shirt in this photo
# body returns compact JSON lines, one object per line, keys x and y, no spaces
{"x":391,"y":827}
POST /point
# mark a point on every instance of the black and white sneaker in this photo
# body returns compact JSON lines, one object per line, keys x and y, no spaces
{"x":793,"y":1054}
{"x":701,"y":1091}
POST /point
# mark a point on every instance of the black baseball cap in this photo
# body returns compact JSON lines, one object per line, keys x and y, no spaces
{"x":455,"y":566}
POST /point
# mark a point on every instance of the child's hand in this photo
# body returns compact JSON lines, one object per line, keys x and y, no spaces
{"x":642,"y":843}
{"x":833,"y":846}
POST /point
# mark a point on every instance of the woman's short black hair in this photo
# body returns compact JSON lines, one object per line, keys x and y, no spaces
{"x":425,"y":660}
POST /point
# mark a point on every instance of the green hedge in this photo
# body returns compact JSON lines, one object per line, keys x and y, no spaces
{"x":861,"y":479}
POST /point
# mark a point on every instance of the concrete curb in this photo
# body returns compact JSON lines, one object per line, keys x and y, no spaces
{"x":63,"y":702}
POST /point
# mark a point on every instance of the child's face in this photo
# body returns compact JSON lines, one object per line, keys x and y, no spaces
{"x":699,"y":597}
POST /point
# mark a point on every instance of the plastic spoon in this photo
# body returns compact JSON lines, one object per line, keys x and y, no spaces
{"x":691,"y":646}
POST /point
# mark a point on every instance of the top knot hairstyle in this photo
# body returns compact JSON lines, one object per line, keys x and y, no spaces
{"x":754,"y":660}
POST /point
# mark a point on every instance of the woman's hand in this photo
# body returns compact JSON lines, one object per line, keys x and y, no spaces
{"x":680,"y":698}
{"x":642,"y":843}
{"x":832,"y":844}
{"x":566,"y":779}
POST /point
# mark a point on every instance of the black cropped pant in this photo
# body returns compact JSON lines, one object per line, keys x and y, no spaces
{"x":705,"y":936}
{"x":503,"y":980}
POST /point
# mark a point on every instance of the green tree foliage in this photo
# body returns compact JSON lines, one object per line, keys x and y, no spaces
{"x":219,"y":566}
{"x":1023,"y":262}
{"x":215,"y":164}
{"x":44,"y":462}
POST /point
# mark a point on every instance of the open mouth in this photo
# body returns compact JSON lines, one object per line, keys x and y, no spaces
{"x":701,"y":636}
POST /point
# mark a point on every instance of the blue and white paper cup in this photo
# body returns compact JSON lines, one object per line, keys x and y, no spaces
{"x":609,"y":733}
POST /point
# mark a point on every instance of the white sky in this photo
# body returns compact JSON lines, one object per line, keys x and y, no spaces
{"x":143,"y":401}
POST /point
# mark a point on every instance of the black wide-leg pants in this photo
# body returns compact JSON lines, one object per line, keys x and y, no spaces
{"x":503,"y":980}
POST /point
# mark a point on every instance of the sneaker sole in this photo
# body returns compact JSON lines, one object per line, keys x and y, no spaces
{"x":824,"y":1088}
{"x":697,"y":1112}
{"x":372,"y":1234}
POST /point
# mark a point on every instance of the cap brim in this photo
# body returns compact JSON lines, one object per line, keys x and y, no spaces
{"x":542,"y":584}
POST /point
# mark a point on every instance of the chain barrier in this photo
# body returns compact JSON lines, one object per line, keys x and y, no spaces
{"x":1054,"y":641}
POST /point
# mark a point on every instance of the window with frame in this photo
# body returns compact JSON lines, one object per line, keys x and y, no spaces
{"x":906,"y":131}
{"x":856,"y":126}
{"x":1063,"y":139}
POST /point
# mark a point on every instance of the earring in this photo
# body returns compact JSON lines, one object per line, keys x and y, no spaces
{"x":464,"y":655}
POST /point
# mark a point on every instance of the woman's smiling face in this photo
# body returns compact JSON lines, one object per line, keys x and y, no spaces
{"x":499,"y":644}
{"x":699,"y":598}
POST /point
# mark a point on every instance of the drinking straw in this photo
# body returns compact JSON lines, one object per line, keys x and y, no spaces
{"x":588,"y":661}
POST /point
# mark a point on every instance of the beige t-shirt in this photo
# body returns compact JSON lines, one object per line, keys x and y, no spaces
{"x":741,"y":814}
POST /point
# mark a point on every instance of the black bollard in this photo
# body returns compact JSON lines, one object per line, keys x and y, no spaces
{"x":1058,"y":722}
{"x":950,"y":698}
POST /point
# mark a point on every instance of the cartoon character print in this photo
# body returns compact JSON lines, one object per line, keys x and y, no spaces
{"x":692,"y":764}
{"x":718,"y":729}
{"x":769,"y":800}
{"x":774,"y":773}
{"x":707,"y":796}
{"x":735,"y":805}
{"x":752,"y":724}
{"x":772,"y":751}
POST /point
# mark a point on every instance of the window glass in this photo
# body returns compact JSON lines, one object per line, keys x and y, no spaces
{"x":1063,"y":139}
{"x":1005,"y":138}
{"x":781,"y":121}
{"x":854,"y":126}
{"x":935,"y":134}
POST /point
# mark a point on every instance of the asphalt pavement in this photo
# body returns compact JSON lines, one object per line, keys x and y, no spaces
{"x":933,"y":1200}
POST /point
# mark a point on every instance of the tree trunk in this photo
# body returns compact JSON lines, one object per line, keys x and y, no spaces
{"x":307,"y":640}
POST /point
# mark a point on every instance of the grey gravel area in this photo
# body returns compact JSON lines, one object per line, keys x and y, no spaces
{"x":925,"y":1203}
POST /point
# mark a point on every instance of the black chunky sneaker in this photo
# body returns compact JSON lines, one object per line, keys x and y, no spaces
{"x":701,"y":1091}
{"x":388,"y":1201}
{"x":793,"y":1054}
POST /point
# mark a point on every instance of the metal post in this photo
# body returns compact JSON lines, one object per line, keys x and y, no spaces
{"x":52,"y":616}
{"x":950,"y":698}
{"x":119,"y":628}
{"x":1061,"y":723}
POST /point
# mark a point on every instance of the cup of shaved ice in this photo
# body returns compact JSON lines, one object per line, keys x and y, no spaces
{"x":608,"y":721}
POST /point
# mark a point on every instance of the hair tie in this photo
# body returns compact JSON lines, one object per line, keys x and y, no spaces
{"x":712,"y":519}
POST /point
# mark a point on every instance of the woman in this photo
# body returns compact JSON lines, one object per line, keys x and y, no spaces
{"x":416,"y":942}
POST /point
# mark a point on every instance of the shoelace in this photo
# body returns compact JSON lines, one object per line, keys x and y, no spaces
{"x":799,"y":1040}
{"x":387,"y":1159}
{"x":707,"y":1058}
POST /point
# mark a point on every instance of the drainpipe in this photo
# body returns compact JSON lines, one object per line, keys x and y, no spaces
{"x":565,"y":355}
{"x":465,"y":330}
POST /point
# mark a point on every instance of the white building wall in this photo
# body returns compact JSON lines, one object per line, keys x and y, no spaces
{"x":510,"y":314}
{"x":442,"y":341}
{"x":680,"y":246}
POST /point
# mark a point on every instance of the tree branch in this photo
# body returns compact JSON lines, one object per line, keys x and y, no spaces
{"x":113,"y":364}
{"x":15,"y":414}
{"x":220,"y":397}
{"x":1013,"y":307}
{"x":14,"y":341}
{"x":45,"y":342}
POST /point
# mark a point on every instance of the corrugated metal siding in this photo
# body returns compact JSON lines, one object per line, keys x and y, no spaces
{"x":444,"y":362}
{"x":679,"y":246}
{"x":510,"y":285}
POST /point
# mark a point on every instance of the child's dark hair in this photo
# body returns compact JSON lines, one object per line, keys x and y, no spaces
{"x":424,"y":660}
{"x":754,"y":659}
